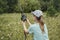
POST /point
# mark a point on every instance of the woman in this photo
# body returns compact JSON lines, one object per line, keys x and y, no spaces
{"x":39,"y":28}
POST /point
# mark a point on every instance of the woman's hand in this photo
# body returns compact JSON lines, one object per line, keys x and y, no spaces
{"x":24,"y":26}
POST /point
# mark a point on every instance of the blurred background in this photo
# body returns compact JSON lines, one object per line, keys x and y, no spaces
{"x":10,"y":14}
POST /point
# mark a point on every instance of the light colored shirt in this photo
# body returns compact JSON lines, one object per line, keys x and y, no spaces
{"x":37,"y":32}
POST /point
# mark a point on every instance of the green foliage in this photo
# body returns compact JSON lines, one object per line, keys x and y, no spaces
{"x":3,"y":6}
{"x":57,"y":5}
{"x":30,"y":5}
{"x":51,"y":12}
{"x":43,"y":4}
{"x":8,"y":6}
{"x":11,"y":6}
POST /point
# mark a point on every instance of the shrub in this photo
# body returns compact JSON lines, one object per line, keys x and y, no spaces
{"x":51,"y":12}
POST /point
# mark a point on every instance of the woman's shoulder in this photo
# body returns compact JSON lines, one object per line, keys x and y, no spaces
{"x":34,"y":25}
{"x":44,"y":24}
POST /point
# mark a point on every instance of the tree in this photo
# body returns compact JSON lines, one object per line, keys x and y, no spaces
{"x":12,"y":5}
{"x":51,"y":11}
{"x":29,"y":5}
{"x":57,"y":5}
{"x":3,"y":6}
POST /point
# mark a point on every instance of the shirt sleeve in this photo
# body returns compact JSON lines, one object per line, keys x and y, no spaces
{"x":30,"y":29}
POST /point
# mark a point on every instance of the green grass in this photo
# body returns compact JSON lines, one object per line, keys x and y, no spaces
{"x":11,"y":27}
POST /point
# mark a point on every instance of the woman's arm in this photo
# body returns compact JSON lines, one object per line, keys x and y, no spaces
{"x":28,"y":22}
{"x":24,"y":26}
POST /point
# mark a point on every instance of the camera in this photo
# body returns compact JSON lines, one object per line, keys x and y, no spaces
{"x":23,"y":17}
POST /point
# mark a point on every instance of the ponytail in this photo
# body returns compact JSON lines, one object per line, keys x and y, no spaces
{"x":40,"y":22}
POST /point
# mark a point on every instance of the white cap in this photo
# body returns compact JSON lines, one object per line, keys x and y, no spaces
{"x":37,"y":13}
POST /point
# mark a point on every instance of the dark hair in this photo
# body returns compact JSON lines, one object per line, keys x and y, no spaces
{"x":39,"y":20}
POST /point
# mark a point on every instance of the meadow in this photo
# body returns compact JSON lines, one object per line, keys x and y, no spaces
{"x":11,"y":27}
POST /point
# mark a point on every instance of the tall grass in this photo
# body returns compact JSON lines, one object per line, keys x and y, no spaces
{"x":11,"y":27}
